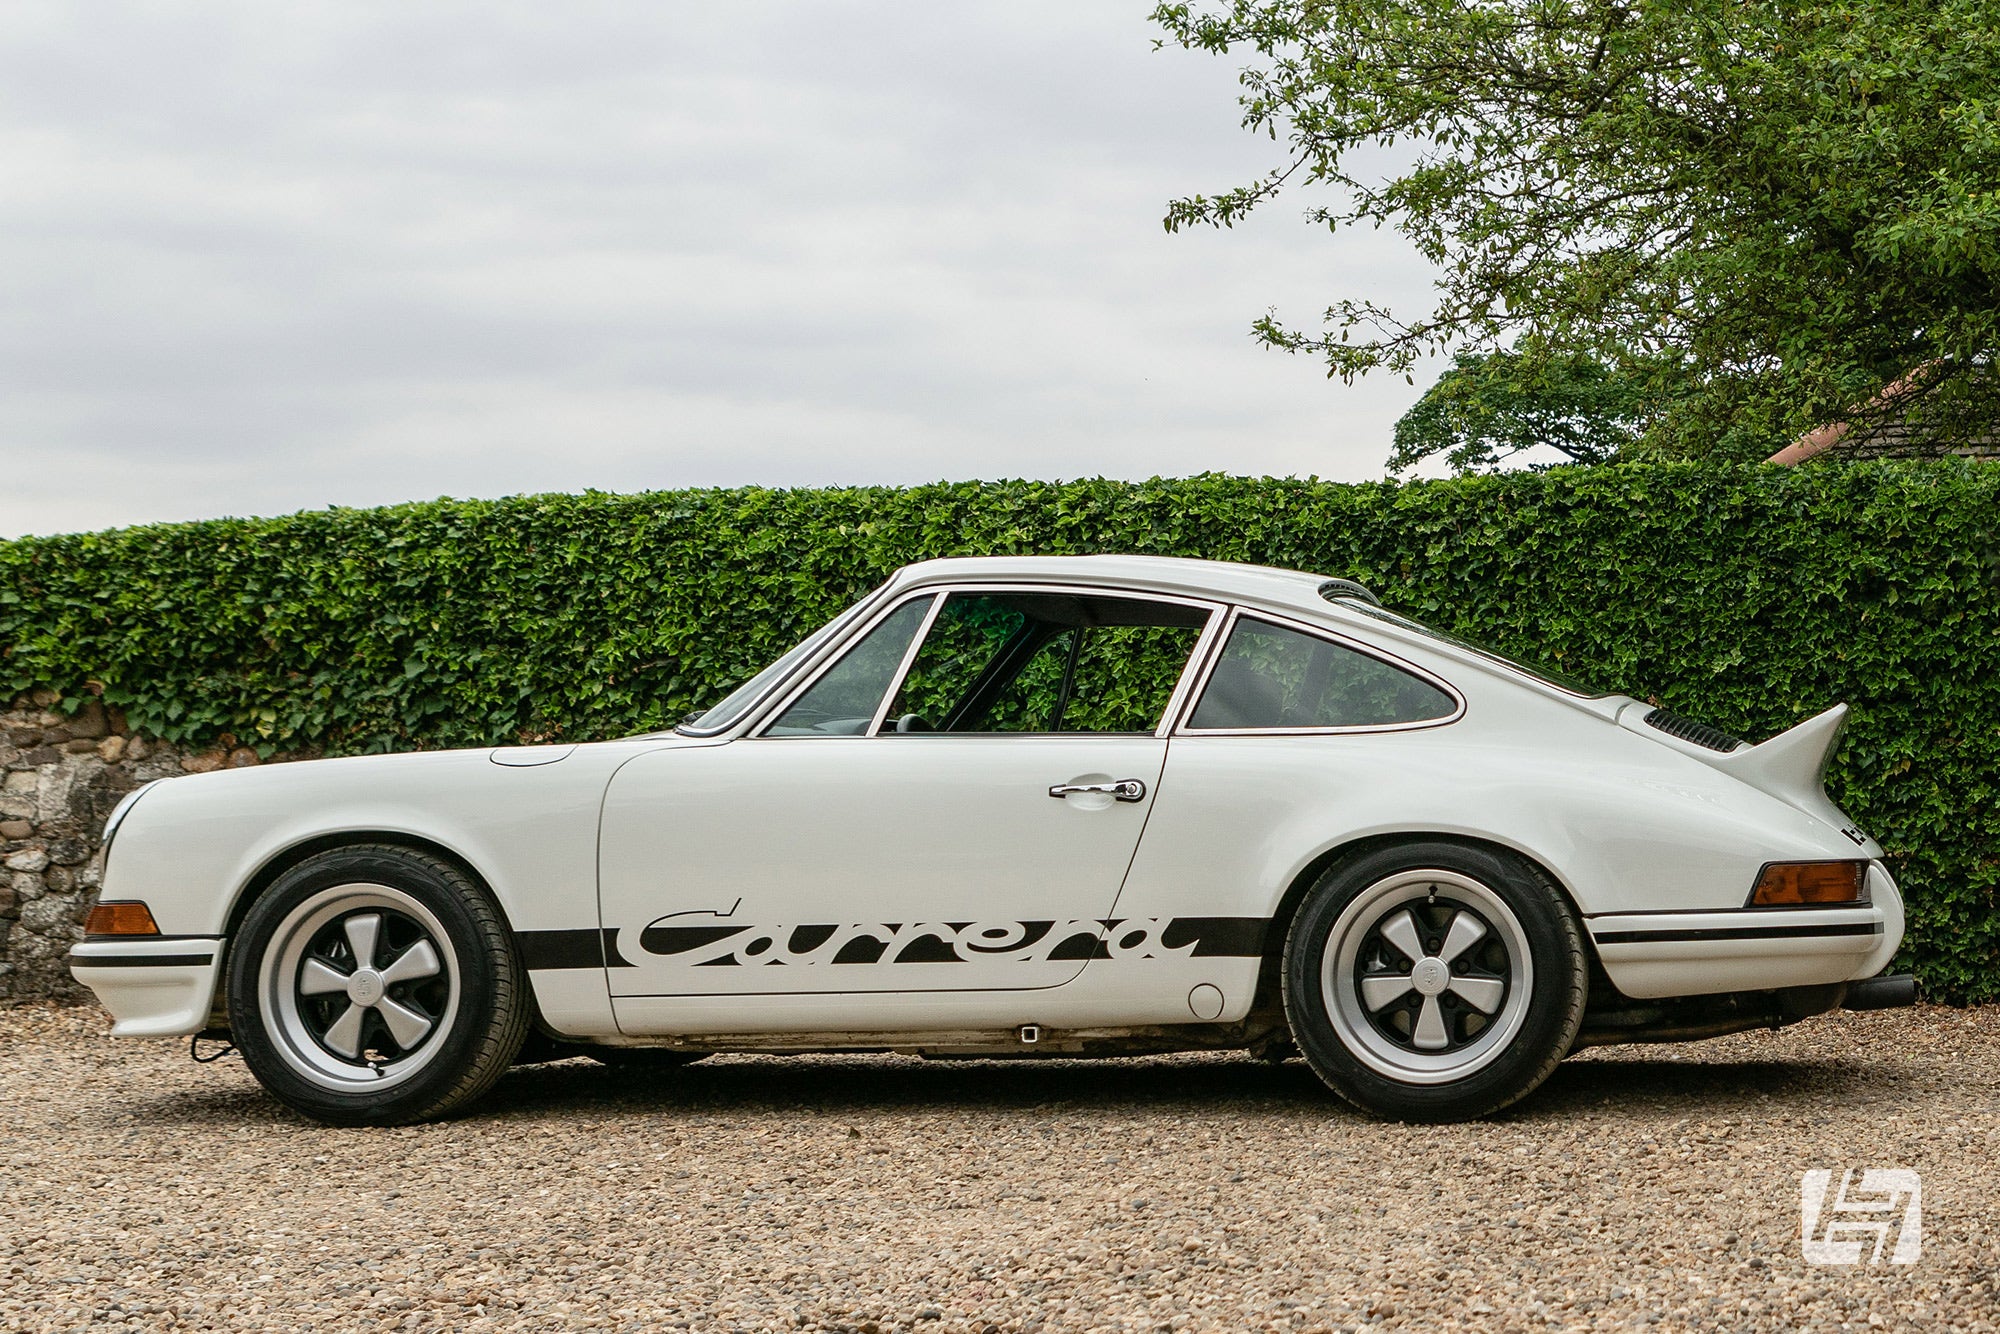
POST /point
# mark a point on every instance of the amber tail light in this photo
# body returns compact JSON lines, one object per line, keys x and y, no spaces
{"x":121,"y":919}
{"x":1785,"y":884}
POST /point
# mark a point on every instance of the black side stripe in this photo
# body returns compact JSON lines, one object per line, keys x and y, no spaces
{"x":586,"y":947}
{"x":1742,"y":933}
{"x":138,"y":960}
{"x":1217,"y":937}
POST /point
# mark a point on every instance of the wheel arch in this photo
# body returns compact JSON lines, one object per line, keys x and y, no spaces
{"x":1279,"y":925}
{"x":284,"y":859}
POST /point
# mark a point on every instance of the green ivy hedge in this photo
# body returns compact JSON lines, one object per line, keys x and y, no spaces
{"x":1746,"y":597}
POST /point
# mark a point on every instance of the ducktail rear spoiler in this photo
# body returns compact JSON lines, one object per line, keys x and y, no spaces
{"x":1792,"y":765}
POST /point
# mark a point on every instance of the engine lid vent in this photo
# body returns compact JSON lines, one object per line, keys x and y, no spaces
{"x":1687,"y":729}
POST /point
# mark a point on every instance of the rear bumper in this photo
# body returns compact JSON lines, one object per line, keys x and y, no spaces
{"x":153,"y":988}
{"x":1653,"y":955}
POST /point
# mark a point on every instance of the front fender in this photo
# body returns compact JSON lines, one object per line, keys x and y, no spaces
{"x":196,"y":846}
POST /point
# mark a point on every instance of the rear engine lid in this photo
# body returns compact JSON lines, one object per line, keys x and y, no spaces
{"x":1791,"y":766}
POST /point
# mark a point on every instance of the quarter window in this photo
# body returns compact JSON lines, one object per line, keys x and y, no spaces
{"x":1271,"y":676}
{"x":844,"y":699}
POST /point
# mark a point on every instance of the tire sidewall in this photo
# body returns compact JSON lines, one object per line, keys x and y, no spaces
{"x":457,"y":906}
{"x":1555,"y":1006}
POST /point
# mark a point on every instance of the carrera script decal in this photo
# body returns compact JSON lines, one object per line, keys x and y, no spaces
{"x":707,"y":939}
{"x":704,"y":940}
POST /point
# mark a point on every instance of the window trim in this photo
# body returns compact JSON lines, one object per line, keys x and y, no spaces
{"x":1183,"y":724}
{"x":1217,"y":613}
{"x":787,"y":695}
{"x":903,"y":665}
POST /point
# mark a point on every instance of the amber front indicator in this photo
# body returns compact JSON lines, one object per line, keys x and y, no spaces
{"x":1784,"y":884}
{"x":121,"y":919}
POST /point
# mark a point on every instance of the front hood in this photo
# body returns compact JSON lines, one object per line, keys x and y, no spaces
{"x":352,"y":772}
{"x":530,"y":757}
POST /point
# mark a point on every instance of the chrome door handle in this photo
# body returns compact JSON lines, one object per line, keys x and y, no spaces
{"x":1125,"y":789}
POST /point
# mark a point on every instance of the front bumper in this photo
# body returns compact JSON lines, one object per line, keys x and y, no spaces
{"x":152,"y":987}
{"x":1658,"y":954}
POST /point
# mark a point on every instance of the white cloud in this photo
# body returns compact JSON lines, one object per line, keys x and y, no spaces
{"x":260,"y":258}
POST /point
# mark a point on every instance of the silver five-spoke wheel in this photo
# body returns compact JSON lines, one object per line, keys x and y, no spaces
{"x":1426,"y":976}
{"x":376,"y":984}
{"x":360,"y":980}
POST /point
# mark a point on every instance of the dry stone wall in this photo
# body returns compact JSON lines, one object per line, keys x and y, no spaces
{"x":65,"y":768}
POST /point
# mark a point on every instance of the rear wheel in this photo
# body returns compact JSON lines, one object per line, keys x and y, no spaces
{"x":1434,"y":981}
{"x":376,"y":985}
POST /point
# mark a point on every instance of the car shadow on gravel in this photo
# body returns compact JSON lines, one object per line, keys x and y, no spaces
{"x":1203,"y":1085}
{"x":887,"y":1083}
{"x":1226,"y":1086}
{"x":1646,"y":1085}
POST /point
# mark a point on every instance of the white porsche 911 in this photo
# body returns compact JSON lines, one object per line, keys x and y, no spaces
{"x":1082,"y":806}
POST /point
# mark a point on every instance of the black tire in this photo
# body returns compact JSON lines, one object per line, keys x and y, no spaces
{"x":649,"y":1060}
{"x":1429,"y":1051}
{"x":298,"y":980}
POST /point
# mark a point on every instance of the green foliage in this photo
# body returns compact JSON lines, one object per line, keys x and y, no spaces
{"x":1488,"y":408}
{"x":1122,"y":678}
{"x":1745,"y":597}
{"x":1771,"y":209}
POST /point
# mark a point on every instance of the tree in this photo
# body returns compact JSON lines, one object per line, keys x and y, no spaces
{"x":1759,"y":212}
{"x":1489,"y":407}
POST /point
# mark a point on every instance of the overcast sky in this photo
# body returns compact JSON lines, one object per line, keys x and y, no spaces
{"x":259,"y":258}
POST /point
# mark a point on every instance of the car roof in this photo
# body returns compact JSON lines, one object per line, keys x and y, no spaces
{"x":1294,"y":592}
{"x":1217,"y":580}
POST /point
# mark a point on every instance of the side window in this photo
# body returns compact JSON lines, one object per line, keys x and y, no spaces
{"x":843,"y":701}
{"x":970,"y":642}
{"x":1046,"y":662}
{"x":1026,"y":702}
{"x":1271,"y":676}
{"x":1125,"y":675}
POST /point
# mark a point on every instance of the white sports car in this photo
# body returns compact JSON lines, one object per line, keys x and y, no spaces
{"x":1084,"y":806}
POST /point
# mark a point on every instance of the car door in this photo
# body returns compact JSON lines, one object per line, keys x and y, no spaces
{"x":950,"y":805}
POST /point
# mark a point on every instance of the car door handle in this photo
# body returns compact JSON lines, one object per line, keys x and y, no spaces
{"x":1125,"y":789}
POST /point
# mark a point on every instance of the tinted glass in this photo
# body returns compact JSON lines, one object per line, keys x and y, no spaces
{"x":1271,"y":676}
{"x":1046,"y":662}
{"x":843,"y":701}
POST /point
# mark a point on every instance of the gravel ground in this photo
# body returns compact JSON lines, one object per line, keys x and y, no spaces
{"x":1640,"y":1186}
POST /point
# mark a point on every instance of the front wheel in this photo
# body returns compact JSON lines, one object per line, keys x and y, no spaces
{"x":376,"y":985}
{"x":1434,"y":981}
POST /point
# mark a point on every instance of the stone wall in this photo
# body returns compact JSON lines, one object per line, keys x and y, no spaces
{"x":64,"y":771}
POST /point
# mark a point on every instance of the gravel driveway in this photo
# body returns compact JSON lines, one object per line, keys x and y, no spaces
{"x":885,"y":1193}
